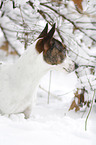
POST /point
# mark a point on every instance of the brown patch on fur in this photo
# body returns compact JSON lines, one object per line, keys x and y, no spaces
{"x":39,"y":45}
{"x":56,"y":54}
{"x":53,"y":51}
{"x":44,"y":41}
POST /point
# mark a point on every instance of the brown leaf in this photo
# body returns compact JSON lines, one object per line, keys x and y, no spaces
{"x":77,"y":108}
{"x":5,"y":47}
{"x":73,"y":105}
{"x":78,"y":4}
{"x":80,"y":97}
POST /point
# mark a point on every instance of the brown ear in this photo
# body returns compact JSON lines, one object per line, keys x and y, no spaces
{"x":39,"y":45}
{"x":46,"y":40}
{"x":44,"y":32}
{"x":43,"y":44}
{"x":50,"y":34}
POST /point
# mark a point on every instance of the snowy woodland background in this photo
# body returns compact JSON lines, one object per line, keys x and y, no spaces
{"x":66,"y":102}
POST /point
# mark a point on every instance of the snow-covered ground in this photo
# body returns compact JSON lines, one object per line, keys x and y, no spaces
{"x":51,"y":123}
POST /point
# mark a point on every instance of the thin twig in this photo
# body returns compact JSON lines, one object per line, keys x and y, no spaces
{"x":85,"y":22}
{"x":78,"y":77}
{"x":49,"y":85}
{"x":89,"y":82}
{"x":87,"y":66}
{"x":89,"y":111}
{"x":50,"y":93}
{"x":66,"y":93}
{"x":92,"y":29}
{"x":25,"y":32}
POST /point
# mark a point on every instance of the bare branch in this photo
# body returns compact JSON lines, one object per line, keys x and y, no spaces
{"x":63,"y":16}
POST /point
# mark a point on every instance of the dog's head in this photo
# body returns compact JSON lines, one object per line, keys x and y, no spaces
{"x":54,"y":52}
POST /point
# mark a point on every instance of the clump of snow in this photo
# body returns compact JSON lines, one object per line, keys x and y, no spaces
{"x":49,"y":124}
{"x":36,"y":3}
{"x":21,"y":2}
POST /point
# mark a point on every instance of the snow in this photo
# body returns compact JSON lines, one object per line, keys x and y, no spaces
{"x":21,"y":2}
{"x":50,"y":123}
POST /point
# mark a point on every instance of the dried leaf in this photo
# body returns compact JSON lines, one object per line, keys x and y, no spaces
{"x":80,"y":97}
{"x":77,"y":108}
{"x":78,"y":4}
{"x":5,"y":47}
{"x":73,"y":105}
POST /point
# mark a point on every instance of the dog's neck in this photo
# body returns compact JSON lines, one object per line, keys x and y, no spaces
{"x":31,"y":66}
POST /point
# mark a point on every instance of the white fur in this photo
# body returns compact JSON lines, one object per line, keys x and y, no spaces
{"x":19,"y":81}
